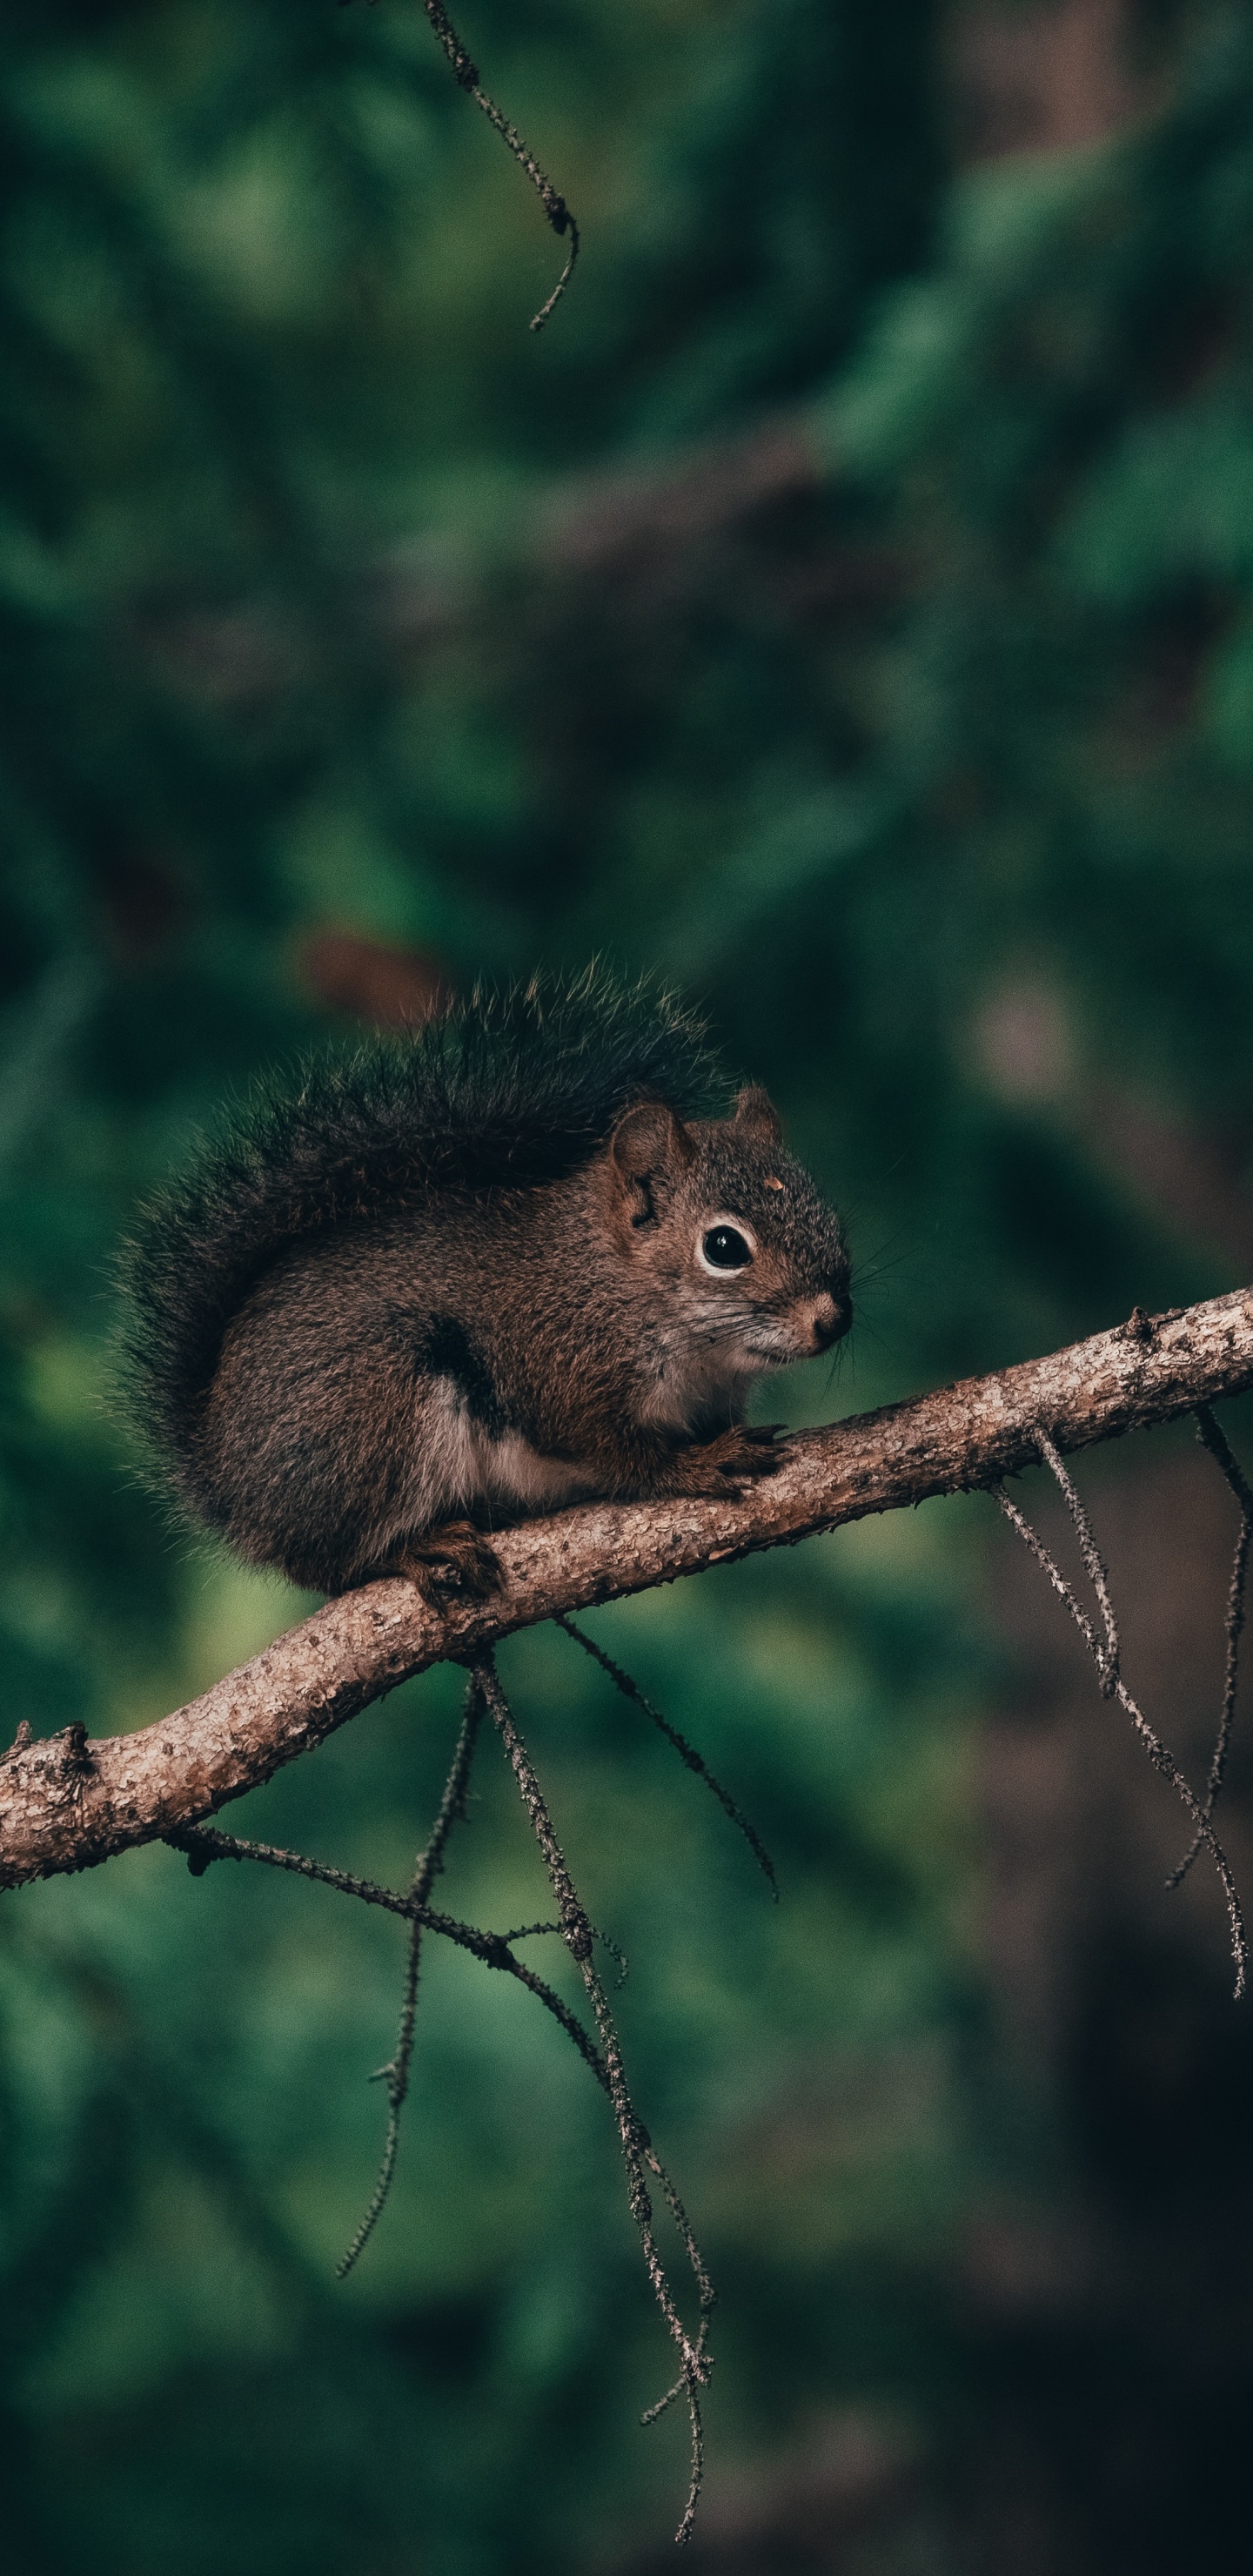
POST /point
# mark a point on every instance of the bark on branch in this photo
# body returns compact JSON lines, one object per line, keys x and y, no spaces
{"x":67,"y":1803}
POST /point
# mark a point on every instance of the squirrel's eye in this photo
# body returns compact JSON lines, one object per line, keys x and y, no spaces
{"x":724,"y":1248}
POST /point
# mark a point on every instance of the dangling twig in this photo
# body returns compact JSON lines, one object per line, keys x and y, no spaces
{"x":1211,"y":1438}
{"x":427,"y":1868}
{"x":1106,"y":1660}
{"x":637,"y":2148}
{"x":465,"y":73}
{"x":203,"y":1844}
{"x":687,"y":1752}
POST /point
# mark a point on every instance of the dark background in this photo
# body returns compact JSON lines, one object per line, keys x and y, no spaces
{"x":844,"y":608}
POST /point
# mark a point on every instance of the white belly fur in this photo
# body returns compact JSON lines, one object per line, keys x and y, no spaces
{"x":513,"y":1471}
{"x":456,"y":1464}
{"x":705,"y":1389}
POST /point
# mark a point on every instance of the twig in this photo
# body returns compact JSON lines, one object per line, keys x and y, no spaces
{"x":203,"y":1844}
{"x":465,"y":73}
{"x":687,"y":1752}
{"x":637,"y":2148}
{"x":1211,"y":1438}
{"x":1112,"y":1685}
{"x":427,"y":1868}
{"x":1106,"y":1657}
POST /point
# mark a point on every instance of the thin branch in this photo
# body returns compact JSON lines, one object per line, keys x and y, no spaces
{"x":637,"y":2148}
{"x":687,"y":1753}
{"x":203,"y":1844}
{"x":427,"y":1868}
{"x":465,"y":73}
{"x":67,"y":1803}
{"x":1106,"y":1659}
{"x":1211,"y":1438}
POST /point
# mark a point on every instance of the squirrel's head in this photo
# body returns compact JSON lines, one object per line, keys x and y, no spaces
{"x":731,"y":1231}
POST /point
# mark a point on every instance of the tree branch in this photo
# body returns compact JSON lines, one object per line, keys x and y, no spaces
{"x":67,"y":1803}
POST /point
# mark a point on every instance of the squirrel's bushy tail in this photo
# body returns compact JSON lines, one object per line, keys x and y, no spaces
{"x":506,"y":1090}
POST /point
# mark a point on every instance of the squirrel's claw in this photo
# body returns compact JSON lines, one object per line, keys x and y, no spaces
{"x":717,"y":1466}
{"x":450,"y":1563}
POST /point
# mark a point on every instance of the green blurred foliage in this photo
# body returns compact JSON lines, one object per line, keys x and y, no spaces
{"x":845,"y":607}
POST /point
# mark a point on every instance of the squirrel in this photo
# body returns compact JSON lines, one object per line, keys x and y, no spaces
{"x":511,"y":1261}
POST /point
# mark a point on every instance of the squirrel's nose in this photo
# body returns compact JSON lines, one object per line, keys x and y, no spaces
{"x":829,"y":1317}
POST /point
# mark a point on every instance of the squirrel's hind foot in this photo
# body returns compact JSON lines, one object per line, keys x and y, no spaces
{"x":453,"y":1562}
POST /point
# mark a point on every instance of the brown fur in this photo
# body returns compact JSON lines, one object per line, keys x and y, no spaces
{"x":469,"y":1356}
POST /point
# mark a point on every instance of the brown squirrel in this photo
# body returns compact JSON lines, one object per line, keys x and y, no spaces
{"x":507,"y":1263}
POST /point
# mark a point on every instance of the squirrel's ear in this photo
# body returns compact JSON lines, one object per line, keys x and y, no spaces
{"x":755,"y":1111}
{"x":649,"y":1145}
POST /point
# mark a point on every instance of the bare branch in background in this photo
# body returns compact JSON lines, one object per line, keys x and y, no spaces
{"x":465,"y":73}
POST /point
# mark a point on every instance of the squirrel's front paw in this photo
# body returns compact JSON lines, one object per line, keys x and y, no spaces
{"x":454,"y":1562}
{"x":717,"y":1466}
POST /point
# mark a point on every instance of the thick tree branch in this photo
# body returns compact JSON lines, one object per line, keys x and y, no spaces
{"x":67,"y":1803}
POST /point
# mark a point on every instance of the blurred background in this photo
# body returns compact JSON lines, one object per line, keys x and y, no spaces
{"x":844,"y":608}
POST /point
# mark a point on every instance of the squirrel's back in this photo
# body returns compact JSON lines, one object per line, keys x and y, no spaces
{"x":504,"y":1092}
